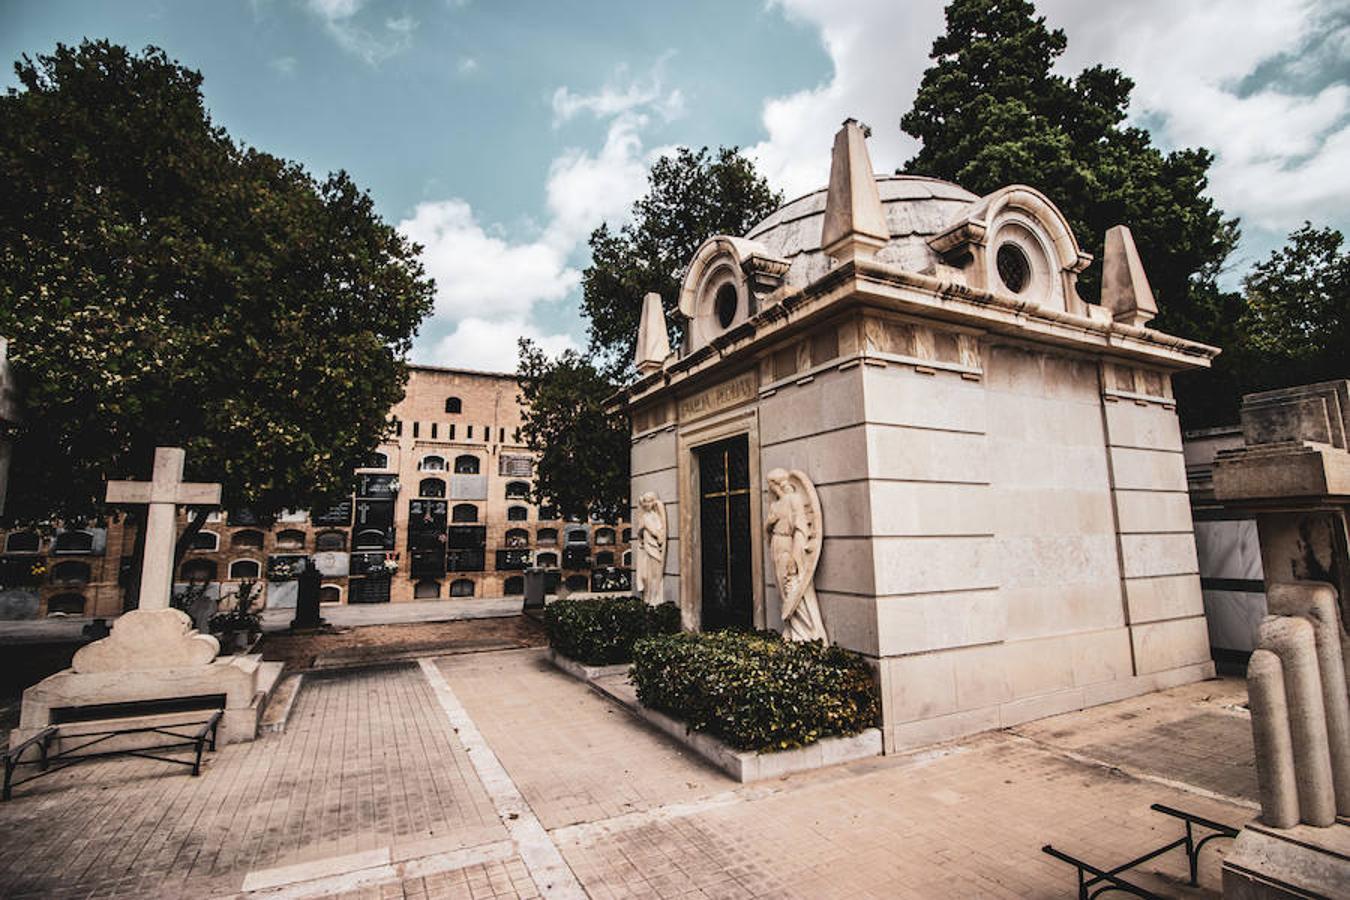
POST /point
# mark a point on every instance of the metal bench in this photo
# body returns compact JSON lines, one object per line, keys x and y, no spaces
{"x":1111,"y":877}
{"x":48,"y":763}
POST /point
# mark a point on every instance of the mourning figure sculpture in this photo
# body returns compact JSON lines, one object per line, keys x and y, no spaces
{"x":793,"y":523}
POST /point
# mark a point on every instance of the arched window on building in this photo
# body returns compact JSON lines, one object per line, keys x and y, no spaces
{"x":453,"y":406}
{"x":427,"y":589}
{"x":578,"y":583}
{"x":74,"y":542}
{"x":604,"y":559}
{"x":377,"y":460}
{"x":198,"y":571}
{"x":514,"y":586}
{"x":66,"y":604}
{"x":548,"y":512}
{"x":23,"y":542}
{"x":330,"y":540}
{"x":546,"y":560}
{"x":431,"y":487}
{"x":517,"y":514}
{"x":206,"y":540}
{"x":432,"y":463}
{"x":245,"y":570}
{"x":291,"y":539}
{"x":464,"y":512}
{"x":517,"y":537}
{"x":517,"y":490}
{"x":577,"y":536}
{"x":247,"y":540}
{"x":461,"y":587}
{"x":547,"y":537}
{"x":628,"y":559}
{"x":604,"y":536}
{"x":70,"y":573}
{"x":330,"y":593}
{"x":467,"y":464}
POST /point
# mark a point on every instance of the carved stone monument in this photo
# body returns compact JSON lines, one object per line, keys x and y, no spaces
{"x":649,"y":552}
{"x":1293,"y":473}
{"x":154,"y":654}
{"x":793,"y":522}
{"x":1005,"y":531}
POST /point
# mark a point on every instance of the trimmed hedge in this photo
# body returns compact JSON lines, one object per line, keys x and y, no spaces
{"x":754,"y":690}
{"x":602,"y":632}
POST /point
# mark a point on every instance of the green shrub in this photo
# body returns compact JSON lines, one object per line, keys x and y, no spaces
{"x":756,"y":691}
{"x":602,"y":632}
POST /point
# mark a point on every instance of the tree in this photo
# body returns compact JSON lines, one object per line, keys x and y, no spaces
{"x":1297,"y":317}
{"x":163,"y":285}
{"x":990,"y":112}
{"x":691,"y":196}
{"x":583,"y":451}
{"x":582,"y":463}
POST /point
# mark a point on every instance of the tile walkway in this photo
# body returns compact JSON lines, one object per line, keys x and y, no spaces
{"x":462,"y":777}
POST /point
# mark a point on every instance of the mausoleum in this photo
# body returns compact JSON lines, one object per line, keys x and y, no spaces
{"x":891,"y":404}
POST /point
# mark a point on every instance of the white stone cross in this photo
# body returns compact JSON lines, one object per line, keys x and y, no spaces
{"x":164,"y":493}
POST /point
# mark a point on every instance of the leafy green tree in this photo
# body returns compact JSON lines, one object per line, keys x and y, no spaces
{"x":582,"y":464}
{"x":163,"y":285}
{"x":990,"y":112}
{"x":1297,"y":317}
{"x":691,"y":196}
{"x":583,"y":451}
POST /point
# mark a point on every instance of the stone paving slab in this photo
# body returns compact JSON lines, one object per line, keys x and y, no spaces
{"x":575,"y":755}
{"x":366,"y":763}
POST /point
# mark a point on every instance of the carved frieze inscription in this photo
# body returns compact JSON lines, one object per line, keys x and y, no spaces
{"x":740,"y":389}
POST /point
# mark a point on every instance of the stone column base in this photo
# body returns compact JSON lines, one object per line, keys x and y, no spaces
{"x":1298,"y":862}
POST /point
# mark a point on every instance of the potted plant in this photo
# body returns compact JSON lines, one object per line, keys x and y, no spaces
{"x":238,"y":626}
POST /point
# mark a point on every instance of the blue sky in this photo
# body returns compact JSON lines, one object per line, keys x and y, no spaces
{"x":499,"y":134}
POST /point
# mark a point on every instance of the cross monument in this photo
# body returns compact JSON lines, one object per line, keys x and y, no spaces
{"x":163,"y":493}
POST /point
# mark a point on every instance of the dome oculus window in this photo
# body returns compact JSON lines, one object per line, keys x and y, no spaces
{"x":725,"y":304}
{"x":1014,"y":270}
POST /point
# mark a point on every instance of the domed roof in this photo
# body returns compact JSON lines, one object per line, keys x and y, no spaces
{"x":916,"y":209}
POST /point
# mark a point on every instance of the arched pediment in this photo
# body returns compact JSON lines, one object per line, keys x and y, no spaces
{"x":1014,"y":241}
{"x":726,"y":279}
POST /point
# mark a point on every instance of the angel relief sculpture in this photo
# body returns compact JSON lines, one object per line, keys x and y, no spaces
{"x":650,"y":558}
{"x":793,"y":523}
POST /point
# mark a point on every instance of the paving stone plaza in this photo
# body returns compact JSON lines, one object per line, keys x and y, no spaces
{"x":495,"y":775}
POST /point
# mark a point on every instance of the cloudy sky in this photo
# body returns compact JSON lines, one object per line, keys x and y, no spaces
{"x":498,"y":134}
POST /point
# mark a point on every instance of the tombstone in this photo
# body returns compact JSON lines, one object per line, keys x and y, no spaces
{"x":153,"y":659}
{"x":307,"y":600}
{"x":980,"y":484}
{"x":1292,"y":473}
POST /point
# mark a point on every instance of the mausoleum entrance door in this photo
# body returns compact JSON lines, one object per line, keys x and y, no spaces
{"x":724,"y":534}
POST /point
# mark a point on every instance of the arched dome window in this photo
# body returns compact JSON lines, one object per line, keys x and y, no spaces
{"x":432,"y":463}
{"x":453,"y":406}
{"x":466,"y":464}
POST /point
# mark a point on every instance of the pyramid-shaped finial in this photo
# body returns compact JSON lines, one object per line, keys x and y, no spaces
{"x":855,"y":223}
{"x":653,"y":342}
{"x":1125,"y":290}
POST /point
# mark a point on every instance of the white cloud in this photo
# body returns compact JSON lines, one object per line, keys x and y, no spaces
{"x":371,"y":43}
{"x":286,"y":65}
{"x":488,"y":287}
{"x":1280,"y":155}
{"x":490,"y":346}
{"x":621,"y":94}
{"x":467,"y":65}
{"x":482,"y":274}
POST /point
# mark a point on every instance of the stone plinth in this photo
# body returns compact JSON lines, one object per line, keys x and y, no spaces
{"x":242,"y":681}
{"x":1298,"y":862}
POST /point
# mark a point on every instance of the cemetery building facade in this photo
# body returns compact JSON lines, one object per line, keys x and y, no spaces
{"x":990,"y":492}
{"x":443,"y":510}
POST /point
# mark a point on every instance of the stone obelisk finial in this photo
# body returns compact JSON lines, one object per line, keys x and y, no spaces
{"x":653,"y":341}
{"x":1125,"y":289}
{"x":855,"y":223}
